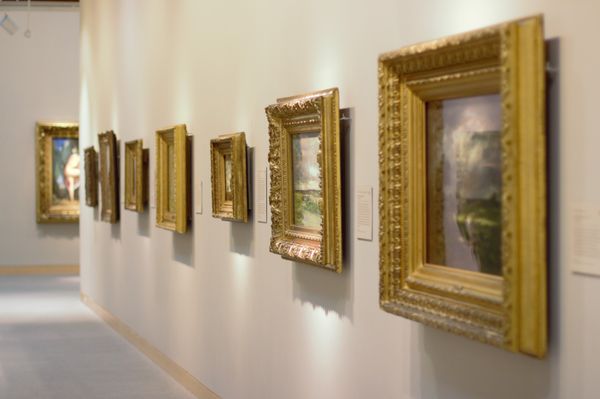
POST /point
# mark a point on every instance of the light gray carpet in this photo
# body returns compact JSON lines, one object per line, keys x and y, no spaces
{"x":53,"y":347}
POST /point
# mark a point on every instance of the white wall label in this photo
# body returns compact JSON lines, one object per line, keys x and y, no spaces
{"x":585,"y":245}
{"x":364,"y":213}
{"x":260,"y":208}
{"x":198,"y":199}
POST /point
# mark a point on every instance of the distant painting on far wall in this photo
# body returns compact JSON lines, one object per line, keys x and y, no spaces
{"x":58,"y":172}
{"x":307,"y":190}
{"x":65,"y":166}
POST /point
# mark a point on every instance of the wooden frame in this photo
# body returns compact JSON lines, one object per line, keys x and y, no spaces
{"x":228,"y":162}
{"x":172,"y":173}
{"x":90,"y":159}
{"x":311,"y":119}
{"x":109,"y":177}
{"x":136,"y":176}
{"x":57,"y":196}
{"x":507,"y":310}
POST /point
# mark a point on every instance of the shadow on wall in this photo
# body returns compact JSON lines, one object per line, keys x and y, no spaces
{"x":242,"y":234}
{"x":183,"y":247}
{"x":143,"y":222}
{"x":242,"y":237}
{"x":322,"y":288}
{"x":115,"y":230}
{"x":461,"y":368}
{"x":58,"y":230}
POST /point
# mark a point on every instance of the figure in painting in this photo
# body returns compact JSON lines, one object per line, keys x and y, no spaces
{"x":65,"y":170}
{"x":71,"y":173}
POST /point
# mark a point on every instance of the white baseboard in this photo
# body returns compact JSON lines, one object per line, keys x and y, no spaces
{"x":39,"y":270}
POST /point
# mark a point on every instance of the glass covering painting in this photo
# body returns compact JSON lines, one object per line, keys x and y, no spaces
{"x":306,"y":180}
{"x":65,"y":171}
{"x":464,"y":183}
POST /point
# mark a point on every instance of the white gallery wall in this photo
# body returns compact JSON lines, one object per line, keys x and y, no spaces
{"x":39,"y":81}
{"x":249,"y":324}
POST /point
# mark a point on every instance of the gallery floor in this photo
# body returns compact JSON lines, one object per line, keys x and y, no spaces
{"x":53,"y":347}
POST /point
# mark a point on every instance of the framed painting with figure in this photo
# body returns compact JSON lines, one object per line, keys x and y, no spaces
{"x":304,"y":161}
{"x":462,"y":185}
{"x":58,"y":172}
{"x":229,"y":177}
{"x":90,"y":159}
{"x":136,"y":176}
{"x":109,"y":177}
{"x":172,"y":173}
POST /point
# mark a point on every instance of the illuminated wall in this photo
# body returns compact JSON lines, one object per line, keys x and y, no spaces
{"x":243,"y":321}
{"x":39,"y":81}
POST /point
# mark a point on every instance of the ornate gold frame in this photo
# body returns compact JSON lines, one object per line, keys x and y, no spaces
{"x":109,"y":179}
{"x":508,"y":311}
{"x":136,"y":175}
{"x":174,"y":219}
{"x":316,"y":111}
{"x":46,"y":212}
{"x":90,"y":160}
{"x":233,"y":145}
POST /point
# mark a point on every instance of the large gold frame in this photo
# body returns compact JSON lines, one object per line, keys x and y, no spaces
{"x":109,"y":179}
{"x":233,"y":145}
{"x":508,"y":311}
{"x":175,"y":219}
{"x":46,"y":212}
{"x":136,"y":175}
{"x":310,"y":112}
{"x":90,"y":160}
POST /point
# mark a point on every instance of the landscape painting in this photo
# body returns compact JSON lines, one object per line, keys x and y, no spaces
{"x":65,"y":171}
{"x":306,"y":180}
{"x":464,"y":183}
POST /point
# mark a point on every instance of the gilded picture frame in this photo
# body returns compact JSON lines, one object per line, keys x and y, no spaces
{"x":109,"y":177}
{"x":90,"y":159}
{"x":305,"y":190}
{"x":57,"y":172}
{"x":504,"y":303}
{"x":136,"y":176}
{"x":229,"y":177}
{"x":172,"y":173}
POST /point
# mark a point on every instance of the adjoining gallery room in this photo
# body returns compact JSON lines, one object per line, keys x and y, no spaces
{"x":299,"y":199}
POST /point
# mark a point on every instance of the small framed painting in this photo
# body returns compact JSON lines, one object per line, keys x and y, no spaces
{"x":136,"y":176}
{"x":90,"y":160}
{"x":109,"y":177}
{"x":305,"y":196}
{"x":229,"y":177}
{"x":58,"y":172}
{"x":463,"y":185}
{"x":172,"y":173}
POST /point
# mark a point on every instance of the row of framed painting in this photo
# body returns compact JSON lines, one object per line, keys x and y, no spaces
{"x":462,"y":196}
{"x":173,"y":183}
